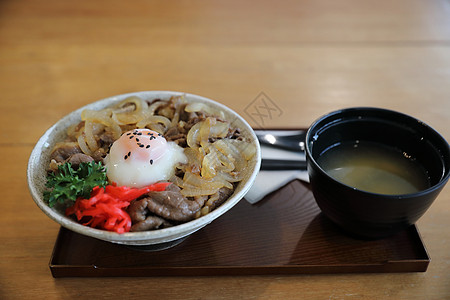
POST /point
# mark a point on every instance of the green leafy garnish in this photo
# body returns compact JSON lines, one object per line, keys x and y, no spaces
{"x":69,"y":184}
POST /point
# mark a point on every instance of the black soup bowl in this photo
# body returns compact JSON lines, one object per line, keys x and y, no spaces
{"x":373,"y":215}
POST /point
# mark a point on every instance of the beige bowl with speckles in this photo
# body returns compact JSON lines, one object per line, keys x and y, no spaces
{"x":39,"y":160}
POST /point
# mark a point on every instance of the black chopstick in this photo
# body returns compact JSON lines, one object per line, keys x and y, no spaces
{"x":282,"y":164}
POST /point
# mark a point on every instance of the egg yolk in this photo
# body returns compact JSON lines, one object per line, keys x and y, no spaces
{"x":145,"y":145}
{"x":141,"y":157}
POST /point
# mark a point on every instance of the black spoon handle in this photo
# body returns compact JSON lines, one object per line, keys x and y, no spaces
{"x":292,"y":142}
{"x":282,"y":164}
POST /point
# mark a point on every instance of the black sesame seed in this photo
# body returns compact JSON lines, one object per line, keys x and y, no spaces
{"x":128,"y":133}
{"x":137,"y":140}
{"x":140,"y":133}
{"x":151,"y":161}
{"x":148,"y":146}
{"x":129,"y":154}
{"x":125,"y":157}
{"x":142,"y":146}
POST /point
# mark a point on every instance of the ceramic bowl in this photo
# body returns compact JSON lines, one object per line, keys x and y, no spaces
{"x":39,"y":160}
{"x":365,"y":214}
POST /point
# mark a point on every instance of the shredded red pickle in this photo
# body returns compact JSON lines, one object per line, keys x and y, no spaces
{"x":106,"y":207}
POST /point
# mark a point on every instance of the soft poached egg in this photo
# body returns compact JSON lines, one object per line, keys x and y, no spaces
{"x":141,"y":157}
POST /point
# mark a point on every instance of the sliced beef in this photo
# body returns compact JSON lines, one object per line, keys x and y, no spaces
{"x":169,"y":204}
{"x":176,"y":135}
{"x":150,"y":223}
{"x":192,"y":121}
{"x":63,"y":151}
{"x":107,"y":138}
{"x":186,"y":116}
{"x":172,"y":131}
{"x":138,"y":210}
{"x":233,"y":133}
{"x":79,"y":158}
{"x":172,"y":205}
{"x":167,"y":110}
{"x":142,"y":219}
{"x":224,"y":194}
{"x":99,"y":154}
{"x":75,"y":159}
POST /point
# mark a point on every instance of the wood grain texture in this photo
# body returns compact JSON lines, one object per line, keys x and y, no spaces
{"x":309,"y":57}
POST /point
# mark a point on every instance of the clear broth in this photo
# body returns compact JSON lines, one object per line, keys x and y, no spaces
{"x":374,"y":168}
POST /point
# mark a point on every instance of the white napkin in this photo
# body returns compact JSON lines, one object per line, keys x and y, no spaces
{"x":269,"y":181}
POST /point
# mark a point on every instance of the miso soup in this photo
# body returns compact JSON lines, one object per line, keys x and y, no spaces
{"x":374,"y":168}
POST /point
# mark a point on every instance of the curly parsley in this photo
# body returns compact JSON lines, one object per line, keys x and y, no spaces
{"x":69,"y":184}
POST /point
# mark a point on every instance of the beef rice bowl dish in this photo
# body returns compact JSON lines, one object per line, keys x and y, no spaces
{"x":146,"y":163}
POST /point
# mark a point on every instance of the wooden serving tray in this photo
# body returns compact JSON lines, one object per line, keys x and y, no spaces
{"x":285,"y":233}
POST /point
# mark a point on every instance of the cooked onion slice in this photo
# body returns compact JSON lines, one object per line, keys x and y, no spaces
{"x":203,"y":131}
{"x":131,"y":110}
{"x":202,"y":107}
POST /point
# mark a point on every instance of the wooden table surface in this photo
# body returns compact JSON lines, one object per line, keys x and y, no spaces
{"x":308,"y":57}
